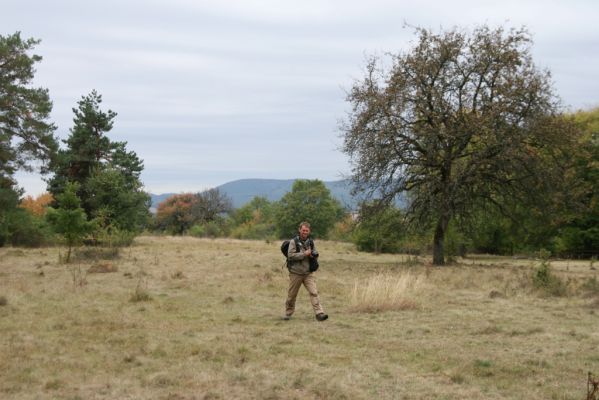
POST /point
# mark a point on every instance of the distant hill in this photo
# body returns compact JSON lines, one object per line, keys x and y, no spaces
{"x":243,"y":190}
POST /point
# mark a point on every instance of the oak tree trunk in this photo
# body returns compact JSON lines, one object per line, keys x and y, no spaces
{"x":439,"y":241}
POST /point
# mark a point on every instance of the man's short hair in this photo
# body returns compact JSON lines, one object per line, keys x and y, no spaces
{"x":306,"y":224}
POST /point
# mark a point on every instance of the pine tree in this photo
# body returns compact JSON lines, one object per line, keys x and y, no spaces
{"x":69,"y":219}
{"x":25,"y":132}
{"x":108,"y":175}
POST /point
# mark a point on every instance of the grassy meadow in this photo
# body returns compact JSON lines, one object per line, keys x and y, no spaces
{"x":184,"y":318}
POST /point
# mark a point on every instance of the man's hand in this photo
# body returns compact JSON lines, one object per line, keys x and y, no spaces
{"x":308,"y":252}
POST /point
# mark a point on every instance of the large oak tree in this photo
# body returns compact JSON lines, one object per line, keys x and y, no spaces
{"x":460,"y":119}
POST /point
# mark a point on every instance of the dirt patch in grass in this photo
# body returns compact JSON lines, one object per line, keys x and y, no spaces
{"x":102,"y":268}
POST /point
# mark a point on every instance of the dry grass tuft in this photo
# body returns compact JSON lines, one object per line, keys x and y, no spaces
{"x":102,"y":268}
{"x":178,"y":275}
{"x":494,"y":294}
{"x":140,"y":294}
{"x":387,"y":292}
{"x":96,"y":253}
{"x":15,"y":253}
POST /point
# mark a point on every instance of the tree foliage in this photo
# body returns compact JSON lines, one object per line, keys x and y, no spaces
{"x":18,"y":226}
{"x":69,"y":219}
{"x":254,"y":220}
{"x":25,"y":131}
{"x":461,"y":119}
{"x":118,"y":201}
{"x":108,"y":175}
{"x":379,"y":229}
{"x":308,"y":200}
{"x":209,"y":204}
{"x":180,"y":212}
{"x":174,"y":214}
{"x":579,"y":236}
{"x":38,"y":205}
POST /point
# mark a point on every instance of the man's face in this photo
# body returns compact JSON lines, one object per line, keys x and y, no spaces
{"x":304,"y":232}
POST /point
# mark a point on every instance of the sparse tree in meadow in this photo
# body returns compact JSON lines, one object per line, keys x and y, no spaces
{"x":69,"y":219}
{"x":460,"y":119}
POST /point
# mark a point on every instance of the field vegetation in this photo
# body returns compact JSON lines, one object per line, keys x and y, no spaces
{"x":190,"y":318}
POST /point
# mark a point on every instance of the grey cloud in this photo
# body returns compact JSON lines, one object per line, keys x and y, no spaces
{"x":213,"y":91}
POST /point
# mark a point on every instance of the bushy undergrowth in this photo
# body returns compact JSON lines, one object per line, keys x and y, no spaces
{"x":546,"y":281}
{"x":250,"y":230}
{"x":21,"y":228}
{"x":115,"y":237}
{"x":141,"y":292}
{"x":96,"y":253}
{"x":590,"y":287}
{"x":211,"y":229}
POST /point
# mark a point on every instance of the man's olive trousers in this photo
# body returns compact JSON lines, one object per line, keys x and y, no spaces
{"x":295,"y":281}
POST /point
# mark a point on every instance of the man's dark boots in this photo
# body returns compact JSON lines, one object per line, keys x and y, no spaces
{"x":321,"y":317}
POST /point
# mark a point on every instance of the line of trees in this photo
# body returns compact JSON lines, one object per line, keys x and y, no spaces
{"x":469,"y":130}
{"x":210,"y":213}
{"x":94,"y":189}
{"x":463,"y":125}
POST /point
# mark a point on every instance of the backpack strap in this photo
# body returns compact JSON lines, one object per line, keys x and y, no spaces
{"x":296,"y":241}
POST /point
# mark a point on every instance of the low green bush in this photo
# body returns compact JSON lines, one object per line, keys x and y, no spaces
{"x":546,"y":281}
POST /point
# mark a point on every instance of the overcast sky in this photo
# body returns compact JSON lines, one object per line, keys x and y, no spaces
{"x":212,"y":91}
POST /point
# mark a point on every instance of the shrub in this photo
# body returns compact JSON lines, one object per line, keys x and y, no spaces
{"x":115,"y":237}
{"x":216,"y":228}
{"x":546,"y":281}
{"x":380,"y":228}
{"x":96,"y":253}
{"x":197,"y":231}
{"x":591,"y":287}
{"x":141,"y":289}
{"x":251,"y":230}
{"x":140,"y":295}
{"x":342,"y":230}
{"x":27,"y":230}
{"x":455,"y":243}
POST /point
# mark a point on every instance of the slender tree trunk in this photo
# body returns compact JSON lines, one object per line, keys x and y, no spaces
{"x":439,"y":241}
{"x":69,"y":254}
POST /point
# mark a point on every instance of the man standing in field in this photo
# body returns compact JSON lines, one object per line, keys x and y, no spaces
{"x":300,"y":254}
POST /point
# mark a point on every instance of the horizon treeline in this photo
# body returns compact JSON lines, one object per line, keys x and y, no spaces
{"x":545,"y":163}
